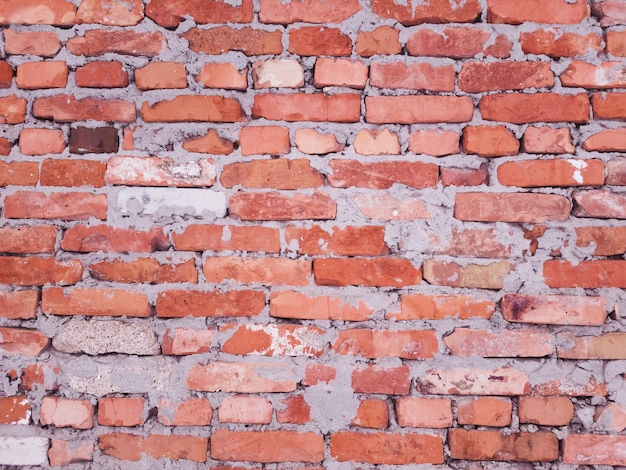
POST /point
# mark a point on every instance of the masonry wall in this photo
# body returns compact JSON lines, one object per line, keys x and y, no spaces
{"x":312,"y":234}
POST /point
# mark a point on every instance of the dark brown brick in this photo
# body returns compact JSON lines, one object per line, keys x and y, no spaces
{"x":93,"y":140}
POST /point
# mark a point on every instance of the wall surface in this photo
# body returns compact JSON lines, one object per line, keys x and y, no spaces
{"x":306,"y":234}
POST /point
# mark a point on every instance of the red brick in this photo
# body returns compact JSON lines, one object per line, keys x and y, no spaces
{"x":47,"y":74}
{"x":485,"y":411}
{"x":144,"y":270}
{"x":94,"y":302}
{"x":50,"y":12}
{"x":227,"y":237}
{"x":608,"y":140}
{"x":405,"y":344}
{"x":585,"y":75}
{"x":545,"y":139}
{"x":286,"y":304}
{"x":458,"y":43}
{"x":72,"y":172}
{"x":589,"y":449}
{"x":86,"y":238}
{"x":477,"y":77}
{"x":319,"y":41}
{"x":12,"y":109}
{"x":609,"y":105}
{"x":608,"y":241}
{"x":546,"y":411}
{"x":554,"y":309}
{"x":475,"y":243}
{"x":277,"y":73}
{"x":40,"y":376}
{"x":538,"y":107}
{"x":485,"y":343}
{"x":429,"y":307}
{"x":616,"y":43}
{"x":610,"y":12}
{"x":240,"y":377}
{"x":448,"y":273}
{"x":608,"y":346}
{"x":418,"y":109}
{"x":225,"y":76}
{"x":436,"y":11}
{"x":183,"y":303}
{"x":156,"y":171}
{"x":60,"y":412}
{"x":102,"y":75}
{"x":537,"y":11}
{"x":384,"y":40}
{"x":244,"y":409}
{"x":18,"y":174}
{"x":66,"y":108}
{"x":601,"y":204}
{"x":223,"y":39}
{"x":193,"y":108}
{"x":267,"y":446}
{"x":341,"y":107}
{"x":169,"y":13}
{"x":611,"y":417}
{"x":382,"y":175}
{"x":112,"y":14}
{"x":465,"y":381}
{"x":19,"y":304}
{"x":277,"y":206}
{"x":375,"y":379}
{"x":493,"y":445}
{"x":63,"y":453}
{"x":386,"y":448}
{"x":490,"y":141}
{"x":98,"y":42}
{"x":41,"y":141}
{"x":317,"y":373}
{"x":272,"y":340}
{"x":309,"y":11}
{"x":211,"y":142}
{"x":372,"y":413}
{"x":349,"y":241}
{"x":340,"y":72}
{"x":22,"y":341}
{"x":420,"y":76}
{"x":124,"y":411}
{"x":616,"y":172}
{"x":184,"y":341}
{"x":511,"y":207}
{"x":271,"y":271}
{"x":383,"y":206}
{"x":417,"y":412}
{"x":371,"y":272}
{"x":434,"y":142}
{"x":295,"y":411}
{"x":465,"y":176}
{"x":552,"y":172}
{"x":158,"y":446}
{"x":557,"y":43}
{"x":65,"y":206}
{"x":34,"y":271}
{"x":191,"y":412}
{"x":41,"y":43}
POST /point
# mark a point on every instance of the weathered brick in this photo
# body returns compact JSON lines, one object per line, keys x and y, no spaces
{"x":33,"y":12}
{"x":121,"y":411}
{"x":193,"y":108}
{"x":65,"y":206}
{"x":158,"y":75}
{"x":111,"y":14}
{"x":616,"y":43}
{"x":286,"y":304}
{"x":156,"y":171}
{"x":537,"y":11}
{"x":511,"y":207}
{"x":537,"y":107}
{"x":451,"y":176}
{"x":418,"y":109}
{"x":19,"y":304}
{"x":552,"y":172}
{"x":227,"y":237}
{"x":478,"y":77}
{"x":462,"y":381}
{"x":554,"y":309}
{"x":277,"y":73}
{"x":590,"y":449}
{"x":485,"y":343}
{"x":72,"y":172}
{"x":41,"y":141}
{"x":350,"y":241}
{"x":211,"y":142}
{"x":545,"y":139}
{"x":63,"y":453}
{"x":224,"y":39}
{"x":406,"y":344}
{"x":611,"y":417}
{"x":93,"y":140}
{"x":434,"y":142}
{"x":437,"y":11}
{"x":170,"y":446}
{"x":315,"y":374}
{"x":61,"y":413}
{"x":41,"y":43}
{"x":372,"y":272}
{"x":607,"y":140}
{"x":475,"y":243}
{"x":191,"y":412}
{"x":557,"y":43}
{"x":22,"y":341}
{"x":485,"y":411}
{"x":582,"y":388}
{"x":296,"y":411}
{"x":144,"y":270}
{"x":608,"y":241}
{"x":384,"y":40}
{"x":277,"y":206}
{"x":185,"y":341}
{"x":546,"y":411}
{"x":383,"y":206}
{"x":273,"y":340}
{"x":582,"y":74}
{"x":98,"y":42}
{"x":309,"y":11}
{"x":448,"y":273}
{"x":183,"y":303}
{"x":66,"y":108}
{"x":382,"y":175}
{"x":379,"y":379}
{"x":376,"y":142}
{"x":272,"y":271}
{"x":420,"y":76}
{"x":319,"y":41}
{"x":458,"y":43}
{"x":102,"y":75}
{"x":241,"y":377}
{"x":340,"y":72}
{"x":490,"y":141}
{"x":35,"y":271}
{"x":27,"y":239}
{"x":245,"y":409}
{"x":599,"y":203}
{"x":429,"y":307}
{"x":417,"y":412}
{"x":610,"y":12}
{"x":169,"y":13}
{"x":44,"y":376}
{"x":18,"y":174}
{"x":372,"y":413}
{"x":263,"y":140}
{"x":12,"y":109}
{"x":5,"y":146}
{"x":23,"y":451}
{"x":341,"y":107}
{"x":494,"y":445}
{"x":47,"y":74}
{"x":609,"y":105}
{"x":606,"y":346}
{"x":225,"y":76}
{"x":94,"y":302}
{"x":86,"y":238}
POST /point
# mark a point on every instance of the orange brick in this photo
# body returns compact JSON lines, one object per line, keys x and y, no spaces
{"x":349,"y":241}
{"x":158,"y":75}
{"x":211,"y":142}
{"x":74,"y":172}
{"x":476,"y":243}
{"x":478,"y":77}
{"x":473,"y":381}
{"x":537,"y":107}
{"x":605,"y":346}
{"x":590,"y":449}
{"x":98,"y":42}
{"x":61,"y":412}
{"x":417,"y":412}
{"x":277,"y":73}
{"x":381,"y":272}
{"x":494,"y":445}
{"x":616,"y":43}
{"x":286,"y":304}
{"x":490,"y":141}
{"x":12,"y":109}
{"x":296,"y":411}
{"x":18,"y":174}
{"x":54,"y":12}
{"x":197,"y":237}
{"x":86,"y":238}
{"x":384,"y":40}
{"x":547,"y":140}
{"x":41,"y":141}
{"x":383,"y":206}
{"x":35,"y":271}
{"x":438,"y":11}
{"x":449,"y":273}
{"x":418,"y":109}
{"x":485,"y":411}
{"x":546,"y":411}
{"x":223,"y":39}
{"x":586,"y":274}
{"x":144,"y":270}
{"x":21,"y":341}
{"x":434,"y":142}
{"x":114,"y":14}
{"x":19,"y":304}
{"x":608,"y":241}
{"x":243,"y":409}
{"x":226,"y":76}
{"x":169,"y":13}
{"x":600,"y":204}
{"x":273,"y":271}
{"x":102,"y":75}
{"x":405,"y":344}
{"x":94,"y":302}
{"x":183,"y":303}
{"x":340,"y":72}
{"x":63,"y":453}
{"x":537,"y":11}
{"x":372,"y":413}
{"x":124,"y":411}
{"x":317,"y":373}
{"x":240,"y":377}
{"x":184,"y":341}
{"x":66,"y":108}
{"x":309,"y":11}
{"x":41,"y":43}
{"x":132,"y":447}
{"x":458,"y":43}
{"x":609,"y":105}
{"x":438,"y":307}
{"x":277,"y":206}
{"x":273,"y":340}
{"x":193,"y":108}
{"x":485,"y":343}
{"x":375,"y":379}
{"x":259,"y":140}
{"x":65,"y":206}
{"x":582,"y":74}
{"x":511,"y":207}
{"x":341,"y":107}
{"x":607,"y":140}
{"x":382,"y":175}
{"x":376,"y":142}
{"x":191,"y":412}
{"x":319,"y":41}
{"x":557,"y":43}
{"x":552,"y":172}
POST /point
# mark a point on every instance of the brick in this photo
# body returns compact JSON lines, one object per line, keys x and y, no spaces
{"x":616,"y":43}
{"x":12,"y":110}
{"x":458,"y":43}
{"x":94,"y":140}
{"x":18,"y":174}
{"x":41,"y":43}
{"x":97,"y":42}
{"x":319,"y":41}
{"x":444,"y":273}
{"x":384,"y":40}
{"x":132,"y":447}
{"x":111,"y":14}
{"x":144,"y":270}
{"x":546,"y":411}
{"x":264,"y":140}
{"x":272,"y":340}
{"x":277,"y":73}
{"x":315,"y":374}
{"x":371,"y":272}
{"x":33,"y":12}
{"x":475,"y":243}
{"x":34,"y":271}
{"x":244,"y":409}
{"x":608,"y":241}
{"x":545,"y":139}
{"x":372,"y":413}
{"x":406,"y":344}
{"x":185,"y":341}
{"x":72,"y":172}
{"x":537,"y":11}
{"x":490,"y":141}
{"x":41,"y":141}
{"x":156,"y":171}
{"x":607,"y":140}
{"x":552,"y":172}
{"x":418,"y":109}
{"x":94,"y":302}
{"x":350,"y":241}
{"x":585,"y":75}
{"x":277,"y":206}
{"x":66,"y":108}
{"x":267,"y":446}
{"x":465,"y":381}
{"x":211,"y":142}
{"x":376,"y":142}
{"x":65,"y":206}
{"x":87,"y":238}
{"x":47,"y":74}
{"x":40,"y":376}
{"x":102,"y":75}
{"x":23,"y":450}
{"x":428,"y":307}
{"x":286,"y":304}
{"x":598,"y":203}
{"x":225,"y":76}
{"x":310,"y":11}
{"x":5,"y":146}
{"x":169,"y":14}
{"x":465,"y":176}
{"x":477,"y":77}
{"x":437,"y":11}
{"x":240,"y":377}
{"x":155,"y":201}
{"x":378,"y":379}
{"x":434,"y":142}
{"x":557,"y":43}
{"x":494,"y":445}
{"x":227,"y":237}
{"x":22,"y":341}
{"x":609,"y":105}
{"x":511,"y":207}
{"x":341,"y":107}
{"x":340,"y":72}
{"x":160,"y":75}
{"x":584,"y":388}
{"x":485,"y":411}
{"x":193,"y":108}
{"x":554,"y":309}
{"x":384,"y":206}
{"x":272,"y":271}
{"x":295,"y":411}
{"x":382,"y":175}
{"x":538,"y":107}
{"x":223,"y":39}
{"x":386,"y":448}
{"x":121,"y":411}
{"x":589,"y":449}
{"x":60,"y":412}
{"x":417,"y":412}
{"x":485,"y":343}
{"x":183,"y":303}
{"x":191,"y":412}
{"x":312,"y":142}
{"x":611,"y":417}
{"x":608,"y":346}
{"x":63,"y":453}
{"x":19,"y":304}
{"x":610,"y":12}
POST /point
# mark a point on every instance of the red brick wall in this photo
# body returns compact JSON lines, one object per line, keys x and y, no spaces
{"x":312,"y":233}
